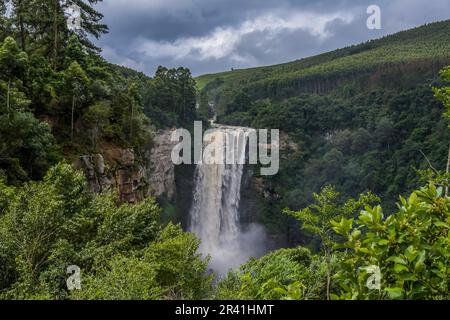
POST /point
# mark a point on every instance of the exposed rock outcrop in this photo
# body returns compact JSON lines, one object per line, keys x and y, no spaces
{"x":117,"y":168}
{"x":94,"y":169}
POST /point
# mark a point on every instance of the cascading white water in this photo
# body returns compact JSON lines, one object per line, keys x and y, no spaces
{"x":214,"y":216}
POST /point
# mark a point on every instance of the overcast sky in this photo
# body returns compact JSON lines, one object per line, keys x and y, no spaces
{"x":216,"y":35}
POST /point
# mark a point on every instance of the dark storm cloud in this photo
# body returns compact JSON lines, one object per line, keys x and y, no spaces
{"x":215,"y":35}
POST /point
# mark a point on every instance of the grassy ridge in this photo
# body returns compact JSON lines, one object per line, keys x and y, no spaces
{"x":426,"y":42}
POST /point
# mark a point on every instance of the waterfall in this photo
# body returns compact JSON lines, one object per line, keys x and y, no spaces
{"x":214,"y":216}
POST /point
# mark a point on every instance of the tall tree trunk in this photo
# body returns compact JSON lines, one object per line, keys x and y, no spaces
{"x":131,"y":121}
{"x":72,"y":116}
{"x":8,"y":96}
{"x":55,"y":33}
{"x":447,"y":170}
{"x":327,"y":255}
{"x":328,"y":276}
{"x":21,"y":26}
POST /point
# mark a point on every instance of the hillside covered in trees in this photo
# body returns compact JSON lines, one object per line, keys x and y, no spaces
{"x":323,"y":72}
{"x":364,"y":117}
{"x":60,"y":99}
{"x":368,"y":128}
{"x":55,"y":75}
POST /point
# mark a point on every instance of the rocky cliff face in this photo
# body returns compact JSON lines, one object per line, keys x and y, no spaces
{"x":161,"y":174}
{"x":119,"y":169}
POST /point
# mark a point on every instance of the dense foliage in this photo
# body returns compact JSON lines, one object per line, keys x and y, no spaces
{"x":54,"y":74}
{"x":363,"y":131}
{"x":122,"y":250}
{"x":410,"y":248}
{"x":370,"y":255}
{"x":60,"y":99}
{"x":408,"y":251}
{"x":283,"y":274}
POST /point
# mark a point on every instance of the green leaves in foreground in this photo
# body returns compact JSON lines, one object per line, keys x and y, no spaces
{"x":411,"y":248}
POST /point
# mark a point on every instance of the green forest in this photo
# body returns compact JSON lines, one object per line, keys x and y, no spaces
{"x":365,"y":192}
